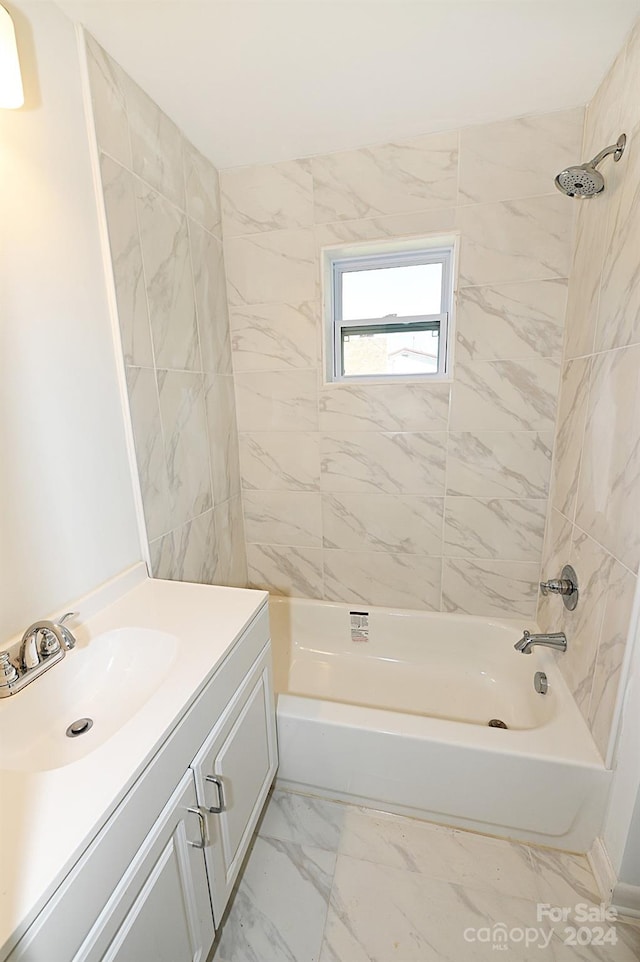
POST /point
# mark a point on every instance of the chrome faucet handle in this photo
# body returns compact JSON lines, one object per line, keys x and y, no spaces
{"x":566,"y":586}
{"x":69,"y":638}
{"x":8,"y":671}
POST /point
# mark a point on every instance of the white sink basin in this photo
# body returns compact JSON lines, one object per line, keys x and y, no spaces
{"x":108,"y":680}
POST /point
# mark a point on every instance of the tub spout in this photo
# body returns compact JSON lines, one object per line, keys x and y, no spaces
{"x":557,"y":640}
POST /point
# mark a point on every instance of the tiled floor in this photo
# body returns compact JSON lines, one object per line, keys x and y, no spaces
{"x":327,"y":882}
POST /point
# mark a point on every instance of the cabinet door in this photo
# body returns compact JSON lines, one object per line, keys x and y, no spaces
{"x":234,"y":770}
{"x":161,"y":909}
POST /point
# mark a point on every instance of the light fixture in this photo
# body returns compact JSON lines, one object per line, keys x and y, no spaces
{"x":11,"y":94}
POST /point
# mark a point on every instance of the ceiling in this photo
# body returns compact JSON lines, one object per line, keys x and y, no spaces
{"x":256,"y":81}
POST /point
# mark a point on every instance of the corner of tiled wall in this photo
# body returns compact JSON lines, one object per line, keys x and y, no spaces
{"x":163,"y":216}
{"x":594,"y":521}
{"x":417,"y":495}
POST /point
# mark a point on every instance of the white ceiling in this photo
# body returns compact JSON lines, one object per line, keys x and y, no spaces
{"x":255,"y":81}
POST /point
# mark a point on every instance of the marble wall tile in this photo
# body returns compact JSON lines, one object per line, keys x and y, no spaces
{"x":630,"y":104}
{"x":593,"y":566}
{"x":156,"y":145}
{"x":619,"y":306}
{"x":271,"y":267}
{"x":397,"y":463}
{"x":211,"y":300}
{"x":162,"y":552}
{"x":288,"y":571}
{"x":280,"y":461}
{"x":505,"y":395}
{"x":108,"y":94}
{"x":280,"y":906}
{"x":147,"y":432}
{"x":231,"y":551}
{"x":572,"y":413}
{"x":384,"y":407}
{"x":184,"y":423}
{"x":602,"y":121}
{"x":222,"y":436}
{"x":586,"y":273}
{"x":126,"y":263}
{"x":555,"y":555}
{"x":275,"y":337}
{"x":609,"y":487}
{"x":519,"y":157}
{"x":518,"y":240}
{"x":508,"y":321}
{"x":201,"y":189}
{"x":490,"y":588}
{"x":394,"y":178}
{"x":195,"y":556}
{"x":382,"y":522}
{"x":269,"y":197}
{"x":611,"y":647}
{"x":165,"y":254}
{"x":392,"y":225}
{"x":382,"y":578}
{"x":283,"y":517}
{"x":277,"y":401}
{"x":494,"y":464}
{"x":494,"y":528}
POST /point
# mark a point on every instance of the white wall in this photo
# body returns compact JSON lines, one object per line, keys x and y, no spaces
{"x":67,"y":518}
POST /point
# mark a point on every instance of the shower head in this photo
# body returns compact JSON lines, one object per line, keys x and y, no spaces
{"x":584,"y":180}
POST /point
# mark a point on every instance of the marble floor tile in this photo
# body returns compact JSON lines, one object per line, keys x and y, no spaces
{"x":304,"y":819}
{"x":625,"y":948}
{"x":379,"y":914}
{"x":280,"y":906}
{"x":562,"y":878}
{"x":465,"y":858}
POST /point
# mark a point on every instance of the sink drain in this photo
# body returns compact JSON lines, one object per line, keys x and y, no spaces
{"x":80,"y":726}
{"x":497,"y":723}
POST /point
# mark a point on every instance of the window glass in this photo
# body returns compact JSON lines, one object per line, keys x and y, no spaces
{"x":405,"y":291}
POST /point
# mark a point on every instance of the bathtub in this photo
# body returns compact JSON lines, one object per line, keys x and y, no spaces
{"x":399,"y":722}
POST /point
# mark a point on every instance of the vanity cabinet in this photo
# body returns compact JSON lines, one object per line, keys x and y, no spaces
{"x":233,"y":771}
{"x":161,"y":909}
{"x":154,"y":883}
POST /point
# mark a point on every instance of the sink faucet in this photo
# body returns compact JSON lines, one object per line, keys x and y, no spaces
{"x":557,"y":640}
{"x":43,"y":644}
{"x":56,"y":637}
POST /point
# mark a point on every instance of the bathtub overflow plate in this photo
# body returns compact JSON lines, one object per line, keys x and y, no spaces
{"x":541,"y":683}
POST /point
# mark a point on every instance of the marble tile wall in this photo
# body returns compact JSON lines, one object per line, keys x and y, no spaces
{"x":163,"y":215}
{"x":420,"y":495}
{"x":594,"y":521}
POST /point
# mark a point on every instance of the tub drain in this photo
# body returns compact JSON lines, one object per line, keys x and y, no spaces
{"x":497,"y":723}
{"x":79,"y":727}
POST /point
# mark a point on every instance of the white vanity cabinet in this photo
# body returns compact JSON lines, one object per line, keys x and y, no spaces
{"x":161,"y":909}
{"x":153,"y":884}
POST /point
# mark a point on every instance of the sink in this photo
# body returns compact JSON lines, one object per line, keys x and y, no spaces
{"x":109,"y":680}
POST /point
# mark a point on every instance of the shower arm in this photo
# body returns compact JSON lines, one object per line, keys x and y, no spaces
{"x":616,"y":149}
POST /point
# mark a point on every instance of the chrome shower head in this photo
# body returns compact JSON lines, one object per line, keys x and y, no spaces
{"x":584,"y":180}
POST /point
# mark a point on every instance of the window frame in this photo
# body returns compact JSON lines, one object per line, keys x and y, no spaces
{"x":341,"y":262}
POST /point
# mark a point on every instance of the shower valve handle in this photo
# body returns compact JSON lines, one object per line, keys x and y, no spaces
{"x":557,"y":586}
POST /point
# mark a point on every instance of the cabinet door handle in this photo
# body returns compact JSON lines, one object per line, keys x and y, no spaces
{"x":203,"y":829}
{"x":220,"y":807}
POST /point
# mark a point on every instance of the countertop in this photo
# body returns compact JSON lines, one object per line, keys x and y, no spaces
{"x":50,"y":817}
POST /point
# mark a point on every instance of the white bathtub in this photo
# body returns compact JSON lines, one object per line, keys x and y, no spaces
{"x":400,"y":722}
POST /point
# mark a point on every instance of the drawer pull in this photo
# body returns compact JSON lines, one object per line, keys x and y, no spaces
{"x":203,"y":829}
{"x":220,"y":807}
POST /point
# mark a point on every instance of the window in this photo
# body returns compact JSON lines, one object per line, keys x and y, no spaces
{"x":390,"y":314}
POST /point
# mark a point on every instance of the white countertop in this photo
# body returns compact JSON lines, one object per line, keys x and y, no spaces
{"x":49,"y":817}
